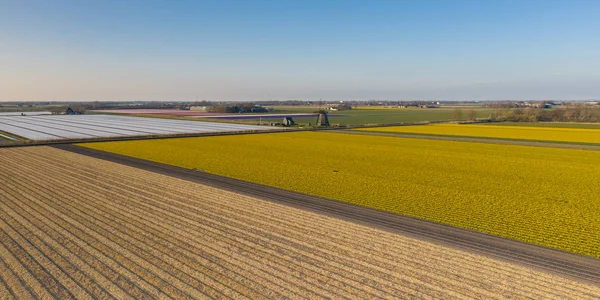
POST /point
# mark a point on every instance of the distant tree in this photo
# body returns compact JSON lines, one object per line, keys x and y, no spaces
{"x":471,"y":115}
{"x":79,"y":108}
{"x":55,"y":110}
{"x":457,"y":114}
{"x":201,"y":103}
{"x":344,"y":106}
{"x":219,"y":108}
{"x":245,"y":106}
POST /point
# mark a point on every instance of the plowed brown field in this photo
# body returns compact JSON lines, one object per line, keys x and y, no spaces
{"x":79,"y":227}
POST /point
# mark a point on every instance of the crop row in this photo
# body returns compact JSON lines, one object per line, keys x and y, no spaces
{"x":94,"y":126}
{"x":136,"y":233}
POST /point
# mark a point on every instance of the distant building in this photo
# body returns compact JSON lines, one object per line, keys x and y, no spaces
{"x":199,"y":108}
{"x":288,"y":121}
{"x":70,"y":111}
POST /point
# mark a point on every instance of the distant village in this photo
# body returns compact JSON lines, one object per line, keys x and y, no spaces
{"x":265,"y":106}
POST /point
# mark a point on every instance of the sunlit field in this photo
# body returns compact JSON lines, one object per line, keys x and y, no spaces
{"x":555,"y":134}
{"x":546,"y":196}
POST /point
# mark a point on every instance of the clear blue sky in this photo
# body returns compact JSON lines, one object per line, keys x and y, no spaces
{"x":299,"y":49}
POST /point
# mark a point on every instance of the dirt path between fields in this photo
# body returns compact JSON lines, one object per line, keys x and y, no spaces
{"x":476,"y":140}
{"x":566,"y":264}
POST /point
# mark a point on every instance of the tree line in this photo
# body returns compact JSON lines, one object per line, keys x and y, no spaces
{"x":243,"y":107}
{"x":570,"y":113}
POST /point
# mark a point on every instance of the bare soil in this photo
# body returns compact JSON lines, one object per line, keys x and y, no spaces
{"x":73,"y":226}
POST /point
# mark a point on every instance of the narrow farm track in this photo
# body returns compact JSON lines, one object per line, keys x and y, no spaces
{"x":73,"y":226}
{"x":490,"y":140}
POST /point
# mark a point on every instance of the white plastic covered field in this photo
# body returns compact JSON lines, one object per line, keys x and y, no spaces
{"x":54,"y":127}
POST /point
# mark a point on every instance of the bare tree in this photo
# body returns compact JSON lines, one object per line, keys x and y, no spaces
{"x":457,"y":114}
{"x":79,"y":108}
{"x":55,"y":110}
{"x":471,"y":115}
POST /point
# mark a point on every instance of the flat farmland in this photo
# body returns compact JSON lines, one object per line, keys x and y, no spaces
{"x":28,"y":113}
{"x":545,"y":196}
{"x":165,"y":112}
{"x":362,"y":116}
{"x":537,"y":133}
{"x":548,"y":124}
{"x":87,"y":228}
{"x":399,"y":115}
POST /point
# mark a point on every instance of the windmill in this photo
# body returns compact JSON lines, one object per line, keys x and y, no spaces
{"x":322,"y":119}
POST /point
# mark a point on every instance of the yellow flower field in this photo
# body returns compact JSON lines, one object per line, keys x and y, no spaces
{"x":579,"y":135}
{"x":546,"y":196}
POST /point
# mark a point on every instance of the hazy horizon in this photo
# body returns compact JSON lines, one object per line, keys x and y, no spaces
{"x":307,"y":50}
{"x":305,"y":100}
